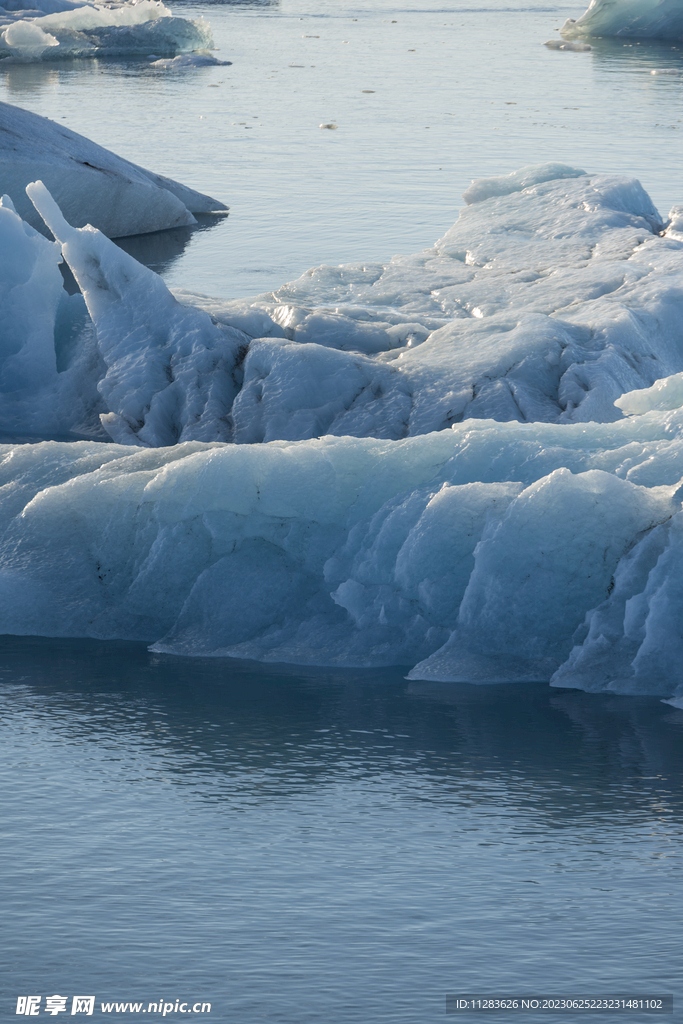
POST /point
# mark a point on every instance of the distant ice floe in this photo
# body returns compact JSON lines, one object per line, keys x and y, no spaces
{"x":189,"y":60}
{"x":628,"y":19}
{"x":468,"y":461}
{"x":91,"y":184}
{"x":560,"y":44}
{"x":34,"y":30}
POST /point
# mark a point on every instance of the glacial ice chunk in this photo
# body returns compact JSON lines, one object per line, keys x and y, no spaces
{"x":506,"y":184}
{"x":476,"y":552}
{"x":90,"y":184}
{"x":190,"y":60}
{"x":630,"y":19}
{"x":28,"y":41}
{"x":49,"y":366}
{"x":496,"y":517}
{"x":169,"y":368}
{"x":68,"y":30}
{"x":664,"y":394}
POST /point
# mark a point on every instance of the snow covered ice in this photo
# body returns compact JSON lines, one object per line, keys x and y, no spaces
{"x":630,"y":19}
{"x":34,"y":30}
{"x":468,"y":461}
{"x":91,"y":184}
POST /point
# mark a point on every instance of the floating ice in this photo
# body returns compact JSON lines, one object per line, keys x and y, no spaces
{"x":190,"y":60}
{"x":91,"y":184}
{"x":27,"y":40}
{"x":540,"y":537}
{"x":631,"y":19}
{"x":558,"y":44}
{"x":88,"y":30}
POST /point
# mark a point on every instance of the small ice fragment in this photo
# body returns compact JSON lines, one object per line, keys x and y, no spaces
{"x":190,"y":60}
{"x":557,"y":44}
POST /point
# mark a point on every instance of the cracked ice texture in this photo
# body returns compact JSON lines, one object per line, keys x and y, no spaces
{"x":536,"y":538}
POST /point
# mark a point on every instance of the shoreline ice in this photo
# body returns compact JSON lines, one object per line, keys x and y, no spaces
{"x":468,"y":461}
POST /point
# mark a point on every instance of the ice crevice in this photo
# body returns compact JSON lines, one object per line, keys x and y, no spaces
{"x":348,"y":471}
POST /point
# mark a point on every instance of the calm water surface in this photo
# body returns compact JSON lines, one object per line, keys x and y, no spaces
{"x":426,"y":97}
{"x":306,"y":845}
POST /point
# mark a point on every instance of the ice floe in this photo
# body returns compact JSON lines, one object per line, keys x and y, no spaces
{"x":57,"y":29}
{"x":91,"y":184}
{"x":630,"y":19}
{"x":468,"y":461}
{"x":189,"y":60}
{"x":572,"y":47}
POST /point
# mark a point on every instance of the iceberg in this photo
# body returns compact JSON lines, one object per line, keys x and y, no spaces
{"x":34,"y":30}
{"x":628,"y":19}
{"x":91,"y":184}
{"x":468,"y":461}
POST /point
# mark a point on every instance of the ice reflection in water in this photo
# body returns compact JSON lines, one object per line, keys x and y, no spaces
{"x":300,"y":845}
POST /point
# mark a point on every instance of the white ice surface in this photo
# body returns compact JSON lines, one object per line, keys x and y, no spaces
{"x":630,"y":19}
{"x":537,"y":538}
{"x":58,"y":29}
{"x":91,"y":184}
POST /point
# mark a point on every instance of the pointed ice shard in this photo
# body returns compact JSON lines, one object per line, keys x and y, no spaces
{"x":169,"y":367}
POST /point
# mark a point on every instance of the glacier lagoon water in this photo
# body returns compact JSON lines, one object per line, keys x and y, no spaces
{"x":305,"y":844}
{"x":427,"y":96}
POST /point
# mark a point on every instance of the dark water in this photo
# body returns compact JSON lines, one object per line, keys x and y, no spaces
{"x":309,"y":845}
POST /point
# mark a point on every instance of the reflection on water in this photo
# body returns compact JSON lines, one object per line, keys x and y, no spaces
{"x":617,"y":55}
{"x":24,"y":80}
{"x":159,"y":250}
{"x":216,"y":709}
{"x":299,"y":844}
